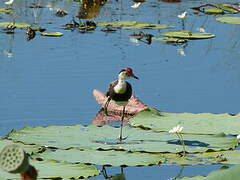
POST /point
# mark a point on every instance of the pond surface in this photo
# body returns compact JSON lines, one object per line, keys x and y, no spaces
{"x":49,"y":80}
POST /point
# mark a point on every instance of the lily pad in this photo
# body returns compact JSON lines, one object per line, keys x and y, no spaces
{"x":93,"y":137}
{"x":114,"y":158}
{"x":230,"y":20}
{"x":195,"y":123}
{"x":53,"y":169}
{"x":52,"y":34}
{"x":16,"y":24}
{"x":219,"y":157}
{"x":170,"y":40}
{"x":187,"y":35}
{"x":6,"y":10}
{"x":225,"y":173}
{"x":123,"y":158}
{"x":133,"y":25}
{"x":228,"y":8}
{"x":217,"y":9}
{"x":30,"y":149}
{"x":213,"y":11}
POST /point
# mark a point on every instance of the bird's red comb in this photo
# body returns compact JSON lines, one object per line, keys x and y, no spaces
{"x":129,"y":70}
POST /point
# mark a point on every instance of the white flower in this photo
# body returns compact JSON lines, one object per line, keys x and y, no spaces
{"x":181,"y":51}
{"x":10,"y":2}
{"x":201,"y":29}
{"x":238,"y":137}
{"x":136,"y":5}
{"x":183,"y":15}
{"x":177,"y":129}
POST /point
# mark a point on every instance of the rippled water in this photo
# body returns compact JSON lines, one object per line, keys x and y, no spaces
{"x":49,"y":81}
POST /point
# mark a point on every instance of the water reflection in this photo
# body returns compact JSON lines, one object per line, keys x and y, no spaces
{"x":8,"y":52}
{"x":118,"y":176}
{"x":90,"y":9}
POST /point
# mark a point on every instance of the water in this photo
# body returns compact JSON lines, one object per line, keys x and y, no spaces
{"x":49,"y":81}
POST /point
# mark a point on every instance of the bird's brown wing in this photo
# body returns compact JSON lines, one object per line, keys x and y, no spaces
{"x":111,"y":86}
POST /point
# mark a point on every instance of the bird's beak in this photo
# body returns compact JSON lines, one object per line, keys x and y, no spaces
{"x":135,"y":77}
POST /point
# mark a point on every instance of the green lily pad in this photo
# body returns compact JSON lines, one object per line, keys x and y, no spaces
{"x":6,"y":10}
{"x":230,"y":20}
{"x":16,"y":24}
{"x":227,"y":9}
{"x":187,"y":35}
{"x":114,"y":158}
{"x":198,"y":123}
{"x":93,"y":137}
{"x":213,"y":11}
{"x":133,"y":25}
{"x":123,"y":158}
{"x":225,"y":173}
{"x":30,"y":149}
{"x":52,"y":34}
{"x":223,"y":157}
{"x":219,"y":157}
{"x":221,"y":9}
{"x":53,"y":169}
{"x":170,"y":40}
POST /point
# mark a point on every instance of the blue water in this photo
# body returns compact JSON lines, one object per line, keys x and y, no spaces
{"x":49,"y":81}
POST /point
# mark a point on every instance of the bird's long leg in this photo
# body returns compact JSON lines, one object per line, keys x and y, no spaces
{"x":106,"y":105}
{"x":123,"y":112}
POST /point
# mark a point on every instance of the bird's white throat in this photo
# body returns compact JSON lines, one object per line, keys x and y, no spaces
{"x":121,"y":87}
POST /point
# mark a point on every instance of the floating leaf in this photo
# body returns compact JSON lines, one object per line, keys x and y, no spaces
{"x":225,"y":173}
{"x":123,"y":158}
{"x":16,"y":24}
{"x":187,"y":35}
{"x":6,"y":10}
{"x":217,"y":9}
{"x":213,"y":11}
{"x":93,"y":137}
{"x":52,"y":34}
{"x":54,"y":169}
{"x":114,"y":158}
{"x":220,"y":157}
{"x":38,"y":29}
{"x":228,"y":8}
{"x":231,"y":20}
{"x":133,"y":25}
{"x":28,"y":148}
{"x":170,"y":40}
{"x":198,"y":123}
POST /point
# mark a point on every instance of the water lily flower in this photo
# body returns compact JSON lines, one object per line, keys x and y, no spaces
{"x":10,"y":2}
{"x":177,"y":129}
{"x":183,"y":15}
{"x":136,"y":5}
{"x":201,"y":29}
{"x":238,"y":137}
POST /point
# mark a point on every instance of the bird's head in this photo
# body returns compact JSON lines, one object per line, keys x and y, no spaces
{"x":126,"y":74}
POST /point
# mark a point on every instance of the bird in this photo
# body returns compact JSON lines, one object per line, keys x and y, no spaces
{"x":120,"y":91}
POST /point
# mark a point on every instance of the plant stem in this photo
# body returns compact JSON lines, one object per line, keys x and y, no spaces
{"x":182,"y":142}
